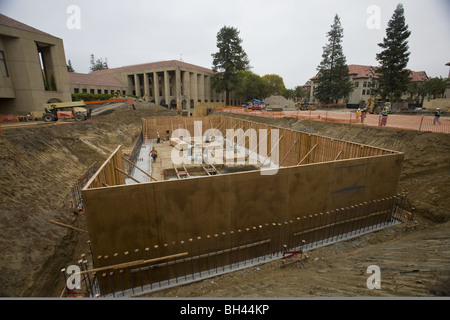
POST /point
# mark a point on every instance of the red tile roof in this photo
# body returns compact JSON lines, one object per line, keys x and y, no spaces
{"x":11,"y":23}
{"x":152,"y":65}
{"x":94,"y":80}
{"x":357,"y":71}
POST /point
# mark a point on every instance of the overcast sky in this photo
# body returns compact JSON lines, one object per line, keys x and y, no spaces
{"x":283,"y":37}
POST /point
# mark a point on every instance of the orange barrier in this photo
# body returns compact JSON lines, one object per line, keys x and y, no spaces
{"x":396,"y":121}
{"x":130,"y":101}
{"x":8,"y":118}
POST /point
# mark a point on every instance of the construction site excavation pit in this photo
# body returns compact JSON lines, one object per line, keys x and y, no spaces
{"x":226,"y":193}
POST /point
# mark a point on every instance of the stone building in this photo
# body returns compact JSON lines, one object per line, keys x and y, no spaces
{"x":33,"y":69}
{"x":95,"y":84}
{"x":174,"y":83}
{"x":363,"y":78}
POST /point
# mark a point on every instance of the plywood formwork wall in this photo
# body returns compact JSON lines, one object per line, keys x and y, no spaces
{"x":333,"y":174}
{"x":126,"y":217}
{"x":109,"y":173}
{"x":293,"y":146}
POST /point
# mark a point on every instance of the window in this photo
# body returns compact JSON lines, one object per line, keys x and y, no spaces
{"x":99,"y":91}
{"x":3,"y":67}
{"x":356,"y":84}
{"x":47,"y":66}
{"x":84,"y":90}
{"x":364,"y":92}
{"x":76,"y":90}
{"x":365,"y":84}
{"x":92,"y":91}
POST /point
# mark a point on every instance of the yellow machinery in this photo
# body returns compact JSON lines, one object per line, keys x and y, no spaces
{"x":66,"y":110}
{"x":299,"y":106}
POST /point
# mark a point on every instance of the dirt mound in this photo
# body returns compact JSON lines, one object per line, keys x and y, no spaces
{"x":38,"y":167}
{"x":279,"y":101}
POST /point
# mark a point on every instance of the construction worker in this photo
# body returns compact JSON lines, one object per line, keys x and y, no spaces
{"x":384,"y":115}
{"x":154,"y":154}
{"x":437,"y":116}
{"x":358,"y":113}
{"x":363,"y":114}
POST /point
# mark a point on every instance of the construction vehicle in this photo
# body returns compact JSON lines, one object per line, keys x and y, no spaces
{"x":376,"y":108}
{"x":66,"y":110}
{"x":255,"y":104}
{"x":304,"y":106}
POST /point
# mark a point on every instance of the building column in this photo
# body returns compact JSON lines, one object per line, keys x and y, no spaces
{"x":194,"y":90}
{"x":208,"y":89}
{"x":146,"y":88}
{"x":178,"y":88}
{"x":166,"y":87}
{"x":156,"y":87}
{"x":201,"y":90}
{"x":137,"y":85}
{"x":186,"y":94}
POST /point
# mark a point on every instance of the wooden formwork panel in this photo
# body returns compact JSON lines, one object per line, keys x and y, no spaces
{"x":125,"y":217}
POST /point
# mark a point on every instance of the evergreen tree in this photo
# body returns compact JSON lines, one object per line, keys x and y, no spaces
{"x":69,"y":67}
{"x":393,"y":75}
{"x":230,"y":58}
{"x":333,"y":79}
{"x":98,"y":64}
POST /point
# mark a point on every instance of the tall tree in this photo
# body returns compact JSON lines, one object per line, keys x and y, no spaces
{"x":230,"y":58}
{"x":69,"y":67}
{"x":435,"y":87}
{"x":300,"y":93}
{"x":276,"y":84}
{"x":333,"y":79}
{"x":251,"y":85}
{"x":98,"y":64}
{"x":393,"y":75}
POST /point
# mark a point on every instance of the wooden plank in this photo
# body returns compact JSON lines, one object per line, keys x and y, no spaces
{"x":138,"y":168}
{"x":67,"y":226}
{"x":126,"y":174}
{"x":133,"y":263}
{"x":307,"y":154}
{"x":290,"y":149}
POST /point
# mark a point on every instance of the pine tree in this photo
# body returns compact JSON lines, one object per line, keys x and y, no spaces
{"x":333,"y":79}
{"x":69,"y":67}
{"x":230,"y":58}
{"x":393,"y":75}
{"x":98,"y":64}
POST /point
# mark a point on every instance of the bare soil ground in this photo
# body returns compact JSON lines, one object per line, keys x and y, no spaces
{"x":39,"y":165}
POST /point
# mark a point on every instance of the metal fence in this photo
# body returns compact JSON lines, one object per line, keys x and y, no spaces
{"x":164,"y":265}
{"x":75,"y":190}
